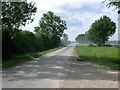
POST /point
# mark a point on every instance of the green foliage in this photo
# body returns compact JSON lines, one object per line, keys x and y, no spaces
{"x":114,"y":3}
{"x":82,"y":39}
{"x":17,"y":42}
{"x":64,"y":39}
{"x":100,"y":30}
{"x":51,"y":24}
{"x":26,"y":41}
{"x":15,"y":14}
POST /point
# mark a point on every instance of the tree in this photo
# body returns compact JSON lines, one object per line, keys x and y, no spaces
{"x":82,"y":38}
{"x":64,"y":39}
{"x":14,"y":14}
{"x":51,"y":24}
{"x":115,"y":3}
{"x":100,"y":30}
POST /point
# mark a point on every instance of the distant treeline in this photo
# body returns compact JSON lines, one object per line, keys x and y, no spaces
{"x":113,"y":42}
{"x":83,"y":39}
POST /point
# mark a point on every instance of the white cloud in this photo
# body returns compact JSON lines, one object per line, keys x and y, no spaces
{"x":78,"y":14}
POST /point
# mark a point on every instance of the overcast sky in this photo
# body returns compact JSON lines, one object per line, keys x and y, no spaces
{"x":79,"y":14}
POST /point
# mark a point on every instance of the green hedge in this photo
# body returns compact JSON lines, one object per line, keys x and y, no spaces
{"x":22,"y":42}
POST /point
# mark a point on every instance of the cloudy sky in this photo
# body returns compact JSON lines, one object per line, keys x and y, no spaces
{"x":79,"y":14}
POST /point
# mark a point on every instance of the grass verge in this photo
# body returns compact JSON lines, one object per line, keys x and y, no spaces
{"x":26,"y":57}
{"x":107,"y":56}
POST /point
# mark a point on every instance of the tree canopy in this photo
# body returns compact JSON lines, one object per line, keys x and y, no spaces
{"x":82,"y":39}
{"x":16,"y":41}
{"x":101,"y":29}
{"x":15,"y":14}
{"x":51,"y":24}
{"x":115,"y":3}
{"x":64,"y":39}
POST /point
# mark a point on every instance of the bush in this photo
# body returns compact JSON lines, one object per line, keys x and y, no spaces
{"x":108,"y":45}
{"x":25,"y":42}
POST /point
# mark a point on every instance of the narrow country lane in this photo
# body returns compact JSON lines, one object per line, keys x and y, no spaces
{"x":59,"y":69}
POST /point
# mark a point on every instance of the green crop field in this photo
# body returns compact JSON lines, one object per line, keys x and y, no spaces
{"x":107,"y":56}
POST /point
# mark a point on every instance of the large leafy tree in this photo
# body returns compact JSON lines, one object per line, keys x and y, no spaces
{"x":101,"y":29}
{"x":51,"y":24}
{"x":14,"y":15}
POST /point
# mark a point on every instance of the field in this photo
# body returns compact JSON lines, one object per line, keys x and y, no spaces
{"x":107,"y":56}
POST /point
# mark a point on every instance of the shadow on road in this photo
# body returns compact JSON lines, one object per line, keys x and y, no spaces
{"x":59,"y":68}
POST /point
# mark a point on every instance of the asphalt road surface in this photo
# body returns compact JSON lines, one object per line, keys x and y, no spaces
{"x":59,"y":69}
